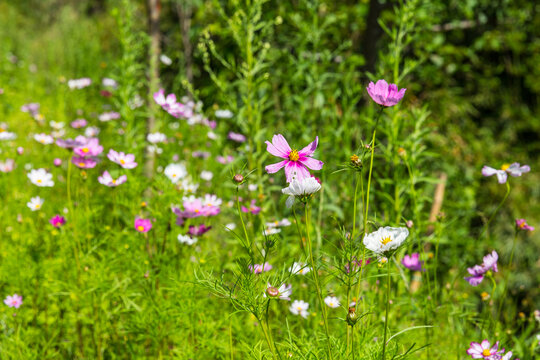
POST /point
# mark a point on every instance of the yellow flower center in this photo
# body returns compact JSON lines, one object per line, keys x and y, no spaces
{"x":114,"y":181}
{"x":2,"y":130}
{"x":140,"y":228}
{"x":293,"y":155}
{"x":81,"y":164}
{"x":505,"y":167}
{"x":85,"y":150}
{"x":173,"y":175}
{"x":299,"y":308}
{"x":486,"y":352}
{"x":522,"y":225}
{"x":386,"y":240}
{"x":39,"y":181}
{"x":122,"y":161}
{"x":38,"y":206}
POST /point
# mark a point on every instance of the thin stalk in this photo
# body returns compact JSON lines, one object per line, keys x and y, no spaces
{"x":387,"y":306}
{"x":317,"y":285}
{"x":501,"y":304}
{"x":486,"y":227}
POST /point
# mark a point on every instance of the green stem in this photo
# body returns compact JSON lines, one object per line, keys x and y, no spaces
{"x":247,"y":244}
{"x":486,"y":228}
{"x":317,"y":286}
{"x":387,"y":306}
{"x":507,"y":274}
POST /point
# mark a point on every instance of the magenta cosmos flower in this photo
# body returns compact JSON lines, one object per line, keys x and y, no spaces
{"x":13,"y":301}
{"x":295,"y":162}
{"x":143,"y":225}
{"x":478,"y":271}
{"x":84,"y":163}
{"x":522,"y":225}
{"x":57,"y":221}
{"x":385,"y":94}
{"x":127,"y":161}
{"x":485,"y":351}
{"x":412,"y":262}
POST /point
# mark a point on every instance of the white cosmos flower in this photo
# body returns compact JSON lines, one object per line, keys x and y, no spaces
{"x":514,"y":169}
{"x":41,"y":177}
{"x":279,"y":223}
{"x":283,"y":292}
{"x":56,"y":125}
{"x":35,"y":203}
{"x":302,"y":189}
{"x":385,"y":239}
{"x":175,"y":172}
{"x":224,"y":114}
{"x":332,"y":301}
{"x":271,"y":231}
{"x":6,"y":135}
{"x":156,"y":137}
{"x":299,"y":268}
{"x":44,"y":139}
{"x":186,"y":239}
{"x":207,"y":175}
{"x":188,"y":186}
{"x":299,"y":307}
{"x":91,"y":131}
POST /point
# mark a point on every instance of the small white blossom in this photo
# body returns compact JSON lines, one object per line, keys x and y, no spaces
{"x":224,"y":114}
{"x":35,"y":203}
{"x":299,"y":268}
{"x":41,"y":177}
{"x":175,"y":172}
{"x":156,"y":137}
{"x":44,"y":139}
{"x":332,"y":301}
{"x":299,"y":307}
{"x":385,"y":239}
{"x":302,"y":189}
{"x":185,"y":239}
{"x":207,"y":175}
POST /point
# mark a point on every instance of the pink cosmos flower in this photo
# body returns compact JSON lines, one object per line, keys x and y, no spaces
{"x":78,"y":123}
{"x":57,"y":162}
{"x":57,"y":221}
{"x":236,"y":137}
{"x":254,"y":209}
{"x":14,"y":301}
{"x":127,"y":161}
{"x":142,"y":225}
{"x":385,"y":94}
{"x":225,"y":159}
{"x":7,"y":166}
{"x":283,"y":292}
{"x":90,"y":148}
{"x":296,"y":162}
{"x":522,"y":225}
{"x":478,"y":271}
{"x":412,"y":262}
{"x":107,"y":180}
{"x":485,"y":351}
{"x":108,"y":116}
{"x":514,"y":169}
{"x":198,"y":230}
{"x":170,"y":105}
{"x":84,"y":163}
{"x":259,"y":268}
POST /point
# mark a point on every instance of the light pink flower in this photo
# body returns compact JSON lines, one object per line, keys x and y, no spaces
{"x":385,"y":94}
{"x":522,"y":225}
{"x":90,"y":148}
{"x":7,"y":166}
{"x":13,"y":301}
{"x":127,"y":161}
{"x":107,"y":180}
{"x":84,"y":163}
{"x":514,"y":169}
{"x":295,"y":162}
{"x":259,"y":268}
{"x":485,"y":351}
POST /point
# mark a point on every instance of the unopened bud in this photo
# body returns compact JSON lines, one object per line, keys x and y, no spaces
{"x":272,"y":291}
{"x":238,"y":178}
{"x":352,"y":317}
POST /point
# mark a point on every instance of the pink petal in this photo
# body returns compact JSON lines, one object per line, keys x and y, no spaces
{"x":272,"y":149}
{"x":271,"y":169}
{"x":312,"y":163}
{"x":308,"y":150}
{"x":281,"y":144}
{"x":293,"y":168}
{"x":502,"y":176}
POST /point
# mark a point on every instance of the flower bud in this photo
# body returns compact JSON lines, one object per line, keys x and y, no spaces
{"x":238,"y":178}
{"x":352,"y":317}
{"x":272,"y":291}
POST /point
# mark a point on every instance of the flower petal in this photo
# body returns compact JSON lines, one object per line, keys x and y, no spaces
{"x":308,"y":150}
{"x":312,"y":163}
{"x":271,"y":169}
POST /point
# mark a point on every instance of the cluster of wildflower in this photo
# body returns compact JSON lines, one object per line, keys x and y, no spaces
{"x":170,"y":105}
{"x":79,"y":83}
{"x":479,"y":271}
{"x":485,"y":350}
